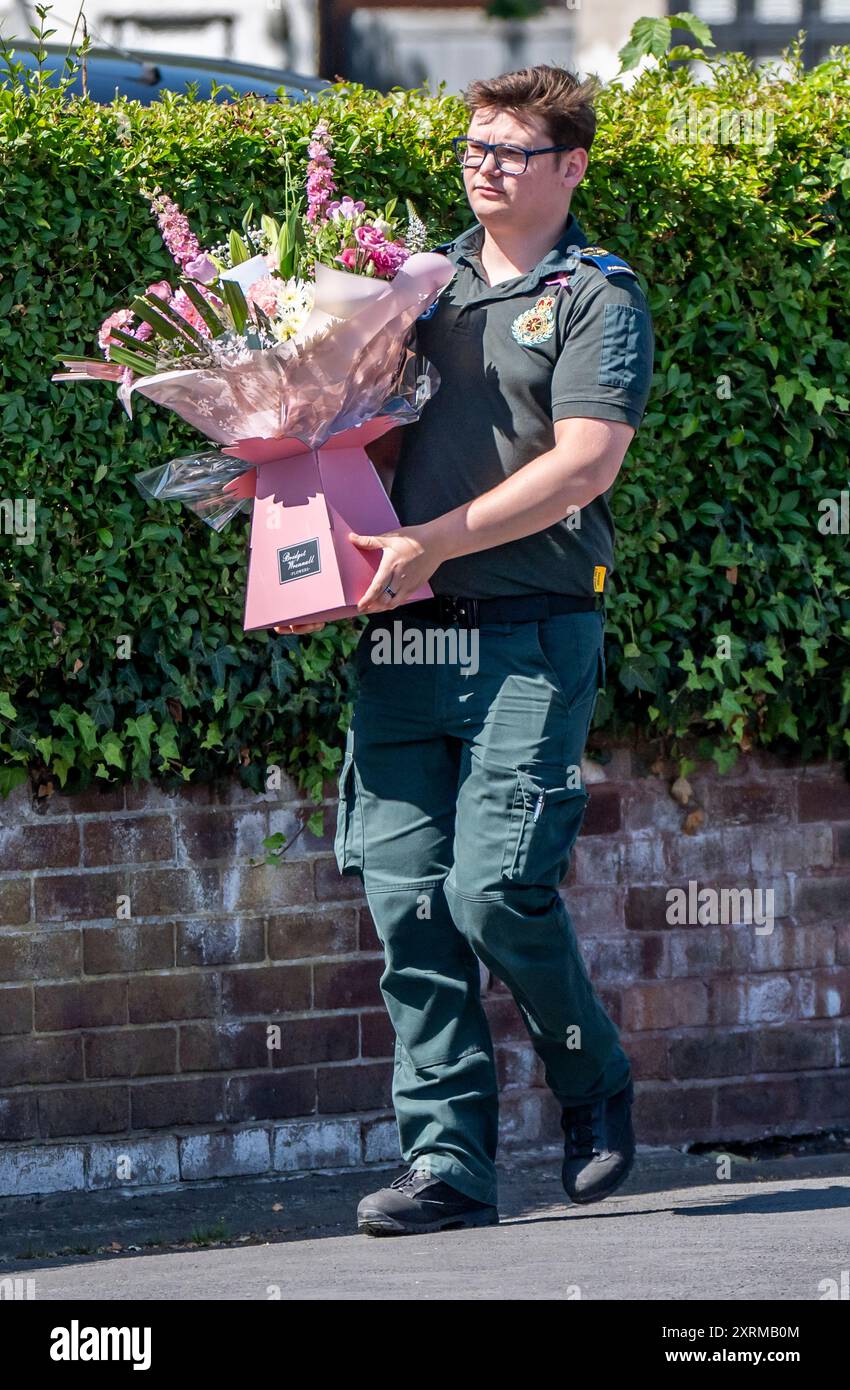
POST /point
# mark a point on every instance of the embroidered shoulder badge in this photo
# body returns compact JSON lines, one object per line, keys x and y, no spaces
{"x":537,"y":324}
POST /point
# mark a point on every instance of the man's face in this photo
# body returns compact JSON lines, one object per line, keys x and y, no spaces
{"x":523,"y":201}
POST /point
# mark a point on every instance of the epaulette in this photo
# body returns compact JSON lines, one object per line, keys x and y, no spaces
{"x":606,"y":261}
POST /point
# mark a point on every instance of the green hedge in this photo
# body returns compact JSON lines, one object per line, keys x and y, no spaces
{"x":743,"y":251}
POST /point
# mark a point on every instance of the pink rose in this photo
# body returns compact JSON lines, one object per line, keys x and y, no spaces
{"x":160,"y":289}
{"x":369,"y":236}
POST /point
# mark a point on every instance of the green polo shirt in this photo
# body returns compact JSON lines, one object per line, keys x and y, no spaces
{"x":509,"y":367}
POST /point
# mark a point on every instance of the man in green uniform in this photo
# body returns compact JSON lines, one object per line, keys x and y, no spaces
{"x":460,"y":790}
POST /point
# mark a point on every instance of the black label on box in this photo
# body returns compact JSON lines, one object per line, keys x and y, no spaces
{"x":297,"y":561}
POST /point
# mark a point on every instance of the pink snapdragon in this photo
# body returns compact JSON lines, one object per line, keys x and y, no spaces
{"x":179,"y":239}
{"x":320,"y":181}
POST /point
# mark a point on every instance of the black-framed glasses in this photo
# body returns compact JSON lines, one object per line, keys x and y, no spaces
{"x":511,"y":159}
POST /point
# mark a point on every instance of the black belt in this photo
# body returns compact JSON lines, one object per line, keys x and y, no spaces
{"x":512,"y":608}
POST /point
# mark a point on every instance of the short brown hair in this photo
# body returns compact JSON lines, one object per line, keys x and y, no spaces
{"x":556,"y":96}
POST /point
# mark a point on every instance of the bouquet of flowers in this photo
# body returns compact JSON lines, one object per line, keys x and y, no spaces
{"x":290,"y":345}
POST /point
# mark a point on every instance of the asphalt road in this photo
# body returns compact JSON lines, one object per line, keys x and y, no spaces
{"x":774,"y":1230}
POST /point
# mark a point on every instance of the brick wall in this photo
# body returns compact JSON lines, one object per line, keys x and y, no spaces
{"x":143,"y":958}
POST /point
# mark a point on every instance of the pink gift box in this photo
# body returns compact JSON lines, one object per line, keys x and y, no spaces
{"x":302,"y":567}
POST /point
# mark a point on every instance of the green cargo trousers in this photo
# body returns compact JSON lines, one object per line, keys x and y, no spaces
{"x":460,"y":798}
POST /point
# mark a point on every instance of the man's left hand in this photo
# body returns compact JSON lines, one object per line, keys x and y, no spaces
{"x":409,"y":559}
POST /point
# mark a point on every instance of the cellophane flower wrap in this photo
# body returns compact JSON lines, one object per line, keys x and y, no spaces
{"x":251,"y":347}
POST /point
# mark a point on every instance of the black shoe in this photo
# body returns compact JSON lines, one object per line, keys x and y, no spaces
{"x":416,"y":1204}
{"x":599,"y":1146}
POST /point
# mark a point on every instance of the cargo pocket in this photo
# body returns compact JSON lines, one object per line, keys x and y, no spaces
{"x":349,"y":839}
{"x":544,"y":820}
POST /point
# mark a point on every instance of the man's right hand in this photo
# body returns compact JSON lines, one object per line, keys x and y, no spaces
{"x":287,"y":629}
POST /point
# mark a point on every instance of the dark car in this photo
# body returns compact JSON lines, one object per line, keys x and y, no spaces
{"x":144,"y":76}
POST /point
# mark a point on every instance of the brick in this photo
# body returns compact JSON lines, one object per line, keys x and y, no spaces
{"x":332,"y":886}
{"x":646,"y":909}
{"x":775,"y":851}
{"x":268,"y":990}
{"x":636,"y":958}
{"x":127,"y":840}
{"x":158,"y":998}
{"x":82,"y":1004}
{"x":595,"y":911}
{"x":380,"y":1141}
{"x":326,"y":1039}
{"x":181,"y":1101}
{"x":648,"y":1055}
{"x":15,"y":894}
{"x":793,"y":1049}
{"x":368,"y":939}
{"x":751,"y":804}
{"x":268,"y":886}
{"x":842,"y":944}
{"x":817,"y":898}
{"x":316,"y":1144}
{"x":824,"y":993}
{"x":825,"y":1099}
{"x":18,"y":1121}
{"x":40,"y":955}
{"x":702,"y":950}
{"x":78,"y":897}
{"x":15,"y":1010}
{"x":712,"y":1054}
{"x":129,"y":1052}
{"x":271,"y":1096}
{"x":347,"y":984}
{"x":144,"y":1162}
{"x":364,"y":1087}
{"x":204,"y":1156}
{"x":822,"y":800}
{"x":789,"y":946}
{"x":221,"y":835}
{"x":144,"y":796}
{"x":643,"y":857}
{"x":528,"y":1117}
{"x":673,"y":1114}
{"x":112,"y":950}
{"x":754,"y":1109}
{"x":517,"y":1066}
{"x":751,"y":999}
{"x":96,"y":800}
{"x":604,"y":812}
{"x":310,"y":934}
{"x":220,"y":941}
{"x":57,"y":1168}
{"x":39,"y":847}
{"x":648,"y":805}
{"x":702,"y":856}
{"x":504,"y":1019}
{"x":842,"y":1043}
{"x":83,"y":1110}
{"x":40,"y":1061}
{"x":291,"y":823}
{"x":223,"y":1046}
{"x":841,"y":839}
{"x":596,"y":860}
{"x":377,"y":1035}
{"x":166,"y":892}
{"x":665,"y":1004}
